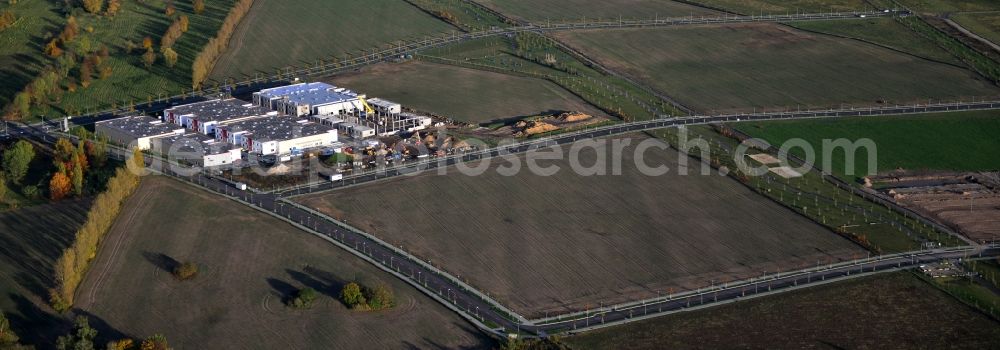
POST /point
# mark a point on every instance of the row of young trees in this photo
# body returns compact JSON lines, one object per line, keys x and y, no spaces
{"x":81,"y":336}
{"x":71,"y":53}
{"x":72,"y":265}
{"x":206,"y":59}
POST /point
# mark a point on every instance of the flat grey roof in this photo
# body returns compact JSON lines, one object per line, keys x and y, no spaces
{"x":195,"y":143}
{"x":219,"y":110}
{"x":279,"y":128}
{"x":140,"y":126}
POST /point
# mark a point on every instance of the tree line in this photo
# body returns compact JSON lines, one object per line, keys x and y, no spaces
{"x":206,"y":59}
{"x":81,"y":337}
{"x":72,"y":265}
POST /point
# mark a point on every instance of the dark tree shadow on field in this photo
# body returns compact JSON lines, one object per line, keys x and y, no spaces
{"x":282,"y":288}
{"x":322,"y":281}
{"x":161,"y":261}
{"x":105,"y":332}
{"x":34,"y":325}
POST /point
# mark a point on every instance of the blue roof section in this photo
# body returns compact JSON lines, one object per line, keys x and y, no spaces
{"x":314,"y":94}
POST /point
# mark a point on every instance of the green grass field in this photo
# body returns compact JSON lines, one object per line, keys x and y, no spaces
{"x":882,"y":31}
{"x":463,"y":94}
{"x":768,"y":65}
{"x":986,"y":25}
{"x":21,"y":45}
{"x":885,"y":311}
{"x":953,"y":141}
{"x":275,"y":35}
{"x":576,"y":10}
{"x":130,"y":80}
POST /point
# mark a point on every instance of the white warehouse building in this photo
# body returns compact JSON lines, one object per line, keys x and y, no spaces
{"x":205,"y":117}
{"x":136,"y":131}
{"x":308,"y":99}
{"x":198,"y":149}
{"x":278,"y":135}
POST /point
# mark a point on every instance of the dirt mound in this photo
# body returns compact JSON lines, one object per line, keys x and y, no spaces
{"x":528,"y":128}
{"x":571,"y":117}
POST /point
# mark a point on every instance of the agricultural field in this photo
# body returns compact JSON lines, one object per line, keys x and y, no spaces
{"x":949,"y":6}
{"x":986,"y":25}
{"x":463,"y":94}
{"x":130,"y":81}
{"x":741,"y":67}
{"x":882,"y":31}
{"x":29,"y":251}
{"x":758,"y":7}
{"x":275,"y":35}
{"x":248,"y":263}
{"x":550,"y":244}
{"x":894,"y":310}
{"x":576,"y":10}
{"x":952,"y":141}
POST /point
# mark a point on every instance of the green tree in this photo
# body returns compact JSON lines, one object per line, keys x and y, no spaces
{"x":93,"y":6}
{"x":186,"y":271}
{"x":352,"y":296}
{"x":170,"y":56}
{"x":64,"y":150}
{"x":304,"y":298}
{"x":77,"y":177}
{"x":20,"y":107}
{"x":155,"y":342}
{"x":380,"y":297}
{"x":3,"y":188}
{"x":17,"y":159}
{"x":80,"y":338}
{"x":149,"y":57}
{"x":7,"y":336}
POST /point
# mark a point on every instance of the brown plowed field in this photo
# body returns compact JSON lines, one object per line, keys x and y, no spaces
{"x":248,"y":262}
{"x":565,"y":242}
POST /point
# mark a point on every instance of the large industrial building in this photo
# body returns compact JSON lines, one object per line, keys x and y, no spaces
{"x":136,"y":131}
{"x":205,"y":117}
{"x":308,"y":99}
{"x":278,"y":135}
{"x":198,"y":149}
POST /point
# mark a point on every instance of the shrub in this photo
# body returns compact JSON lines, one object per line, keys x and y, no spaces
{"x":186,"y":271}
{"x":304,"y":298}
{"x":351,"y":296}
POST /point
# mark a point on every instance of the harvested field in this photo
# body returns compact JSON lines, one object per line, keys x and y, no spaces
{"x":32,"y":239}
{"x":896,"y":311}
{"x":564,"y":242}
{"x":248,"y":263}
{"x":886,"y":32}
{"x":463,"y":94}
{"x":275,"y":35}
{"x":785,"y":6}
{"x":576,"y":10}
{"x":948,"y":6}
{"x":737,"y":67}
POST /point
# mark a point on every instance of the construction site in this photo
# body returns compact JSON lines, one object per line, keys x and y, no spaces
{"x":966,"y":202}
